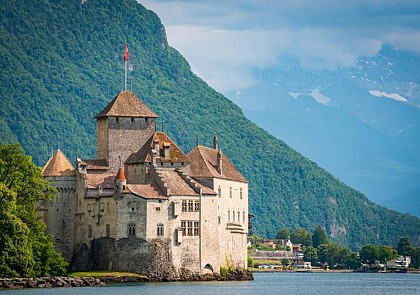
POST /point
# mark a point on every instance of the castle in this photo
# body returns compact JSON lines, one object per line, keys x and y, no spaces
{"x":143,"y":205}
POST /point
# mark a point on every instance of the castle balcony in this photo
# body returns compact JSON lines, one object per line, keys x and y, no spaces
{"x":235,"y":228}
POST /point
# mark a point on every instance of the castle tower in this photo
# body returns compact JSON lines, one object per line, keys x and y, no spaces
{"x":59,"y":215}
{"x":120,"y":181}
{"x":122,"y":128}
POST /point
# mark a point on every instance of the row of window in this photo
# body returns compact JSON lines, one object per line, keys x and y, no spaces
{"x":190,"y":206}
{"x":219,"y":191}
{"x":235,"y":216}
{"x":190,"y":228}
{"x":131,"y":119}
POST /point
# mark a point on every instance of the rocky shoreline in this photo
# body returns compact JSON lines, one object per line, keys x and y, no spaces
{"x":49,"y":282}
{"x":59,"y":282}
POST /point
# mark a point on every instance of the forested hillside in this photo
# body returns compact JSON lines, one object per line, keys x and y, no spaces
{"x":62,"y":63}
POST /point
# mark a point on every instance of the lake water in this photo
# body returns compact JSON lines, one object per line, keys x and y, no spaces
{"x":264,"y":283}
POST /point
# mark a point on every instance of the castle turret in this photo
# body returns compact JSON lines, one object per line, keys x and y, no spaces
{"x":120,"y":181}
{"x":122,"y":128}
{"x":58,"y":214}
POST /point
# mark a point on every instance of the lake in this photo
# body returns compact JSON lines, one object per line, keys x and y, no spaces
{"x":264,"y":283}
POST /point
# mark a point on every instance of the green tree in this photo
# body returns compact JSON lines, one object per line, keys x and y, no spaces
{"x":369,"y":254}
{"x":285,"y":262}
{"x":329,"y":253}
{"x":404,"y":246}
{"x":319,"y":237}
{"x":301,"y":236}
{"x":386,"y":253}
{"x":353,"y":261}
{"x":415,"y":257}
{"x":25,"y":248}
{"x":311,"y":254}
{"x":283,"y":233}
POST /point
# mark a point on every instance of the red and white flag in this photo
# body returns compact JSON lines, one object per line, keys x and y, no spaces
{"x":126,"y":53}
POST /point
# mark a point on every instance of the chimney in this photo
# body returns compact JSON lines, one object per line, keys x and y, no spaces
{"x":219,"y":167}
{"x":215,"y":142}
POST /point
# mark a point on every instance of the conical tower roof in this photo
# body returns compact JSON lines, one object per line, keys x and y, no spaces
{"x":120,"y":175}
{"x":126,"y":104}
{"x":58,"y":165}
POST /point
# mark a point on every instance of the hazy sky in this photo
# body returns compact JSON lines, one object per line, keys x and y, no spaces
{"x":225,"y":42}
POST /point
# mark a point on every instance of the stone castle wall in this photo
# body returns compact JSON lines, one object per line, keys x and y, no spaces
{"x":59,"y":214}
{"x":122,"y":136}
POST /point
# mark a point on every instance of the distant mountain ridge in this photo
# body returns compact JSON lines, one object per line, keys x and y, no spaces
{"x":362,"y":124}
{"x":63,"y":64}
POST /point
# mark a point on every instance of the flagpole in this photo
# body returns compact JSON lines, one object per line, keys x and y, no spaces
{"x":125,"y":66}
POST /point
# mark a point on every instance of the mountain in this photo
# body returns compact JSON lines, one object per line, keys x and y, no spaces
{"x":63,"y":64}
{"x":361,"y":123}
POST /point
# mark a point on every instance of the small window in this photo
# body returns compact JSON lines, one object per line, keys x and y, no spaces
{"x":196,"y":228}
{"x":233,"y":216}
{"x":184,"y":205}
{"x":116,"y":119}
{"x":190,"y":228}
{"x":230,"y":192}
{"x":240,"y":193}
{"x":157,"y":208}
{"x":132,"y":120}
{"x":184,"y":228}
{"x":229,"y":215}
{"x":107,"y":231}
{"x":239,"y":216}
{"x":220,"y":191}
{"x":196,"y":205}
{"x":243,"y":216}
{"x":219,"y":219}
{"x":190,"y":206}
{"x":145,"y":120}
{"x":160,"y":229}
{"x":131,"y":230}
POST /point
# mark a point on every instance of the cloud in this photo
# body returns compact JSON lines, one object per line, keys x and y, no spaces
{"x":226,"y":42}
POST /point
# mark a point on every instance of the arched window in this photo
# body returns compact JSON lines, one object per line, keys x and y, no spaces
{"x":160,"y":229}
{"x":131,"y":230}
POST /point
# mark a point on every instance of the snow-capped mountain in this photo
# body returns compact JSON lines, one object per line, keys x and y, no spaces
{"x":360,"y":123}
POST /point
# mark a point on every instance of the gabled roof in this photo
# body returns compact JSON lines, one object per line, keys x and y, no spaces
{"x":175,"y":183}
{"x":104,"y":180}
{"x":126,"y":104}
{"x":95,"y":164}
{"x":144,"y":154}
{"x":203,"y":163}
{"x":146,"y":191}
{"x":58,"y":165}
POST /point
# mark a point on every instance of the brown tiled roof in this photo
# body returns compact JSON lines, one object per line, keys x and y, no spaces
{"x":175,"y":183}
{"x":203,"y":162}
{"x":146,"y":191}
{"x":106,"y":180}
{"x":120,"y":175}
{"x":126,"y":104}
{"x":144,"y":154}
{"x":58,"y":165}
{"x":95,"y":164}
